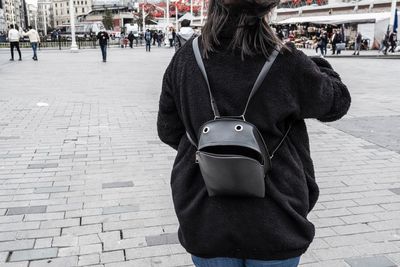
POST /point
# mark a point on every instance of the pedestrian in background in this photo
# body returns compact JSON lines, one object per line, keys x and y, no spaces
{"x":155,"y":37}
{"x":34,"y":39}
{"x":357,"y":44}
{"x":130,"y":38}
{"x":173,"y":34}
{"x":384,"y":44}
{"x":325,"y":40}
{"x":122,"y":40}
{"x":320,"y":46}
{"x":147,"y":38}
{"x":103,"y":37}
{"x":392,"y":41}
{"x":185,"y":33}
{"x":336,"y":38}
{"x":13,"y":38}
{"x":160,"y":37}
{"x":170,"y":38}
{"x":238,"y":231}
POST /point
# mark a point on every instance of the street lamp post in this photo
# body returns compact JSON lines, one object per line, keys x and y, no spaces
{"x":44,"y":20}
{"x":191,"y":9}
{"x":202,"y":13}
{"x":176,"y":15}
{"x":12,"y":13}
{"x":392,"y":14}
{"x":74,"y":47}
{"x":167,"y":13}
{"x":144,"y":18}
{"x":36,"y":20}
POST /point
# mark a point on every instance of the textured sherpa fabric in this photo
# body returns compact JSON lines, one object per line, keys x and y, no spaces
{"x":297,"y":87}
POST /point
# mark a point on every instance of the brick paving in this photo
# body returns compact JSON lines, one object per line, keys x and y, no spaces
{"x":84,"y":180}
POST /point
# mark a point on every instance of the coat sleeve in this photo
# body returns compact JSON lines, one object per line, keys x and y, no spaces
{"x":169,"y":124}
{"x":320,"y":92}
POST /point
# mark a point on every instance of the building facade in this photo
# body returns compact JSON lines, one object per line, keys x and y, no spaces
{"x":61,"y":10}
{"x":32,"y":15}
{"x":3,"y":26}
{"x":336,"y":7}
{"x":45,"y":17}
{"x":13,"y":13}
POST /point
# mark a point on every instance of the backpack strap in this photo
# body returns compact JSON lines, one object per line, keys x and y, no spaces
{"x":179,"y":40}
{"x":260,"y":79}
{"x":281,"y":142}
{"x":200,"y":63}
{"x":264,"y":71}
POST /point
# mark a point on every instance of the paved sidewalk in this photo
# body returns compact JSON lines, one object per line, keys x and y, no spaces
{"x":370,"y":54}
{"x":84,"y":180}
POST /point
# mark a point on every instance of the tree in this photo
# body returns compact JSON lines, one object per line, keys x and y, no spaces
{"x":139,"y":19}
{"x":108,"y":20}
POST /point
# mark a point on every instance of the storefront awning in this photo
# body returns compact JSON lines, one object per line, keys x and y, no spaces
{"x":338,"y":19}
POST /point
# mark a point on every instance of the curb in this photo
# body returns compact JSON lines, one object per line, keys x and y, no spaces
{"x":367,"y":56}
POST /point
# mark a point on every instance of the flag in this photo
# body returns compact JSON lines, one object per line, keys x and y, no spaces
{"x":396,"y":21}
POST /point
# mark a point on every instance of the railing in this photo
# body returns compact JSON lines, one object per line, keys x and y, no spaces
{"x":63,"y":44}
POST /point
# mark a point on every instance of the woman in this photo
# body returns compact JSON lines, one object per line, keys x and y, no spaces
{"x":246,"y":231}
{"x":170,"y":38}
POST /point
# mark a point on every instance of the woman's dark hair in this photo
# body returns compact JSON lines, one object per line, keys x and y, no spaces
{"x":252,"y":34}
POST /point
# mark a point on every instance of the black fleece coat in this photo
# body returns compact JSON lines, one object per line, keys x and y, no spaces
{"x":297,"y":87}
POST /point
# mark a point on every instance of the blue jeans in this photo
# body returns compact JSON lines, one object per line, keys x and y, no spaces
{"x":233,"y":262}
{"x":148,"y":45}
{"x":34,"y":48}
{"x":104,"y":51}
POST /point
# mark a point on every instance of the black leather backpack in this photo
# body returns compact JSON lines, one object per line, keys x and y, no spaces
{"x":232,"y":154}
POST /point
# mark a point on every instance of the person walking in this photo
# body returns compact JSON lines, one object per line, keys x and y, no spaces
{"x":130,"y":38}
{"x":122,"y":40}
{"x":13,"y":38}
{"x":173,"y":34}
{"x":103,"y":37}
{"x":34,"y":39}
{"x":184,"y":34}
{"x":392,"y":41}
{"x":155,"y":37}
{"x":357,"y":44}
{"x":160,"y":37}
{"x":384,"y":44}
{"x":325,"y":40}
{"x":320,"y":46}
{"x":170,"y":38}
{"x":232,"y":230}
{"x":147,"y":38}
{"x":336,"y":38}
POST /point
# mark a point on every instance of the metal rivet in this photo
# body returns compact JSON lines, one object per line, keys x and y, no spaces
{"x":238,"y":128}
{"x":206,"y":130}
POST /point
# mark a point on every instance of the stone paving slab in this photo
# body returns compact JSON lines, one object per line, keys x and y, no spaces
{"x":93,"y":194}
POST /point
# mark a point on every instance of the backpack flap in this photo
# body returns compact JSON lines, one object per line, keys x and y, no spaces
{"x":230,"y":136}
{"x":232,"y":158}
